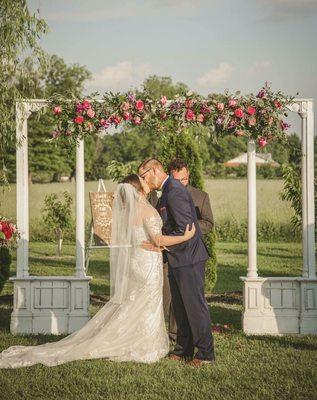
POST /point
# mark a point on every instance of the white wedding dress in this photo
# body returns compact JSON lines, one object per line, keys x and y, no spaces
{"x":130,"y":327}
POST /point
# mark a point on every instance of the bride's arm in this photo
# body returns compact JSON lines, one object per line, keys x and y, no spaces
{"x":165,"y":240}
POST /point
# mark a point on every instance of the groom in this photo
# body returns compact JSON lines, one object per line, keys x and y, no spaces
{"x":186,"y":266}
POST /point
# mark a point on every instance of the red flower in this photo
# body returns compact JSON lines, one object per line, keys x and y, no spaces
{"x":190,"y":115}
{"x":251,"y":110}
{"x":262,"y":142}
{"x":6,"y":228}
{"x":79,"y":119}
{"x":239,"y":113}
{"x":86,"y":104}
{"x":139,"y":105}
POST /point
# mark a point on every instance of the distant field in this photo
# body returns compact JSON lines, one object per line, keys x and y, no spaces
{"x":228,"y":198}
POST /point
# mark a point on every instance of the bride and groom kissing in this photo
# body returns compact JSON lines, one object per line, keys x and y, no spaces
{"x":131,"y":325}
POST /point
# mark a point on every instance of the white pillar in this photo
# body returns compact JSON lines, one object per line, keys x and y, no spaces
{"x":80,"y":210}
{"x":308,"y":208}
{"x":252,"y":266}
{"x":22,"y":189}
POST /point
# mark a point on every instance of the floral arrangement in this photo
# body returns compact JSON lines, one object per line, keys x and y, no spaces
{"x":8,"y":232}
{"x":260,"y":117}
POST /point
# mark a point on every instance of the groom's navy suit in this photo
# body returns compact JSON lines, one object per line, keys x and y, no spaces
{"x":186,"y":263}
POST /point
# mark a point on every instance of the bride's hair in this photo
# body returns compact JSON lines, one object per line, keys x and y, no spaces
{"x":134,"y":180}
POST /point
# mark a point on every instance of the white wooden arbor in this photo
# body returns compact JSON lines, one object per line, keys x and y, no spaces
{"x":276,"y":305}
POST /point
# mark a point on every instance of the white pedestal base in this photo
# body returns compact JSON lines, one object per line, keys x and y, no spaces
{"x":49,"y":304}
{"x":279,"y":306}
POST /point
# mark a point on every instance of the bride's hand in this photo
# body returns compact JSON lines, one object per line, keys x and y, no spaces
{"x":150,"y":247}
{"x":188,"y":234}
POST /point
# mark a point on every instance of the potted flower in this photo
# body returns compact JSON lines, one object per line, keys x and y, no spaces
{"x":8,"y":236}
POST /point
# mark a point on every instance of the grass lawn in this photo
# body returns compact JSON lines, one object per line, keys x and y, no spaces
{"x":260,"y":367}
{"x":228,"y":198}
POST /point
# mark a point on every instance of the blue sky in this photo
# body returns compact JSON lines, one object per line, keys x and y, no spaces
{"x":210,"y":45}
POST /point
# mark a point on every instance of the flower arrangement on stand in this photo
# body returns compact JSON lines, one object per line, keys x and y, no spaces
{"x":259,"y":117}
{"x":8,"y":237}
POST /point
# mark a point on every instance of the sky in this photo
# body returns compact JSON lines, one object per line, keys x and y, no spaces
{"x":211,"y":45}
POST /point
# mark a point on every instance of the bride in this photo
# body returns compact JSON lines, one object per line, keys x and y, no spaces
{"x":130,"y":327}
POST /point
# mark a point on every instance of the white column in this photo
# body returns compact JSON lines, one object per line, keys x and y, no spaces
{"x":80,"y":210}
{"x":252,"y":266}
{"x":22,"y":189}
{"x":308,"y":207}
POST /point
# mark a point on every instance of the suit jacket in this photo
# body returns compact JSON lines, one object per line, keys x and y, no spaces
{"x":177,"y":209}
{"x":203,"y":209}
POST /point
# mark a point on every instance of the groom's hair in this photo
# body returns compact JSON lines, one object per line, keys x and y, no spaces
{"x":176,"y":165}
{"x":150,"y":163}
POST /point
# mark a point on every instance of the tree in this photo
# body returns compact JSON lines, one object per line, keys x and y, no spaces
{"x":19,"y":35}
{"x":46,"y":159}
{"x":57,"y":215}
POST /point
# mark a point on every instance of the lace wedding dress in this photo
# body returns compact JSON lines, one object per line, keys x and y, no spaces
{"x":130,"y":327}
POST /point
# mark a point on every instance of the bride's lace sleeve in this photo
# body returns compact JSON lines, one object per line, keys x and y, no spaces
{"x":152,"y":225}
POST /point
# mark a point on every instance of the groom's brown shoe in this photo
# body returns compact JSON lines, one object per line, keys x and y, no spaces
{"x":175,"y":357}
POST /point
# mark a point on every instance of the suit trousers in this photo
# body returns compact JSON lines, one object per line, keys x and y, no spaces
{"x":191,"y":311}
{"x":167,"y":305}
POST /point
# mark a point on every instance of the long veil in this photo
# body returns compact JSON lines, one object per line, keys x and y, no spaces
{"x":125,"y":212}
{"x":91,"y":341}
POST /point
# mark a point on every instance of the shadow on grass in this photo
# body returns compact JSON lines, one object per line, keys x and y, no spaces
{"x":229,"y":277}
{"x":223,"y":315}
{"x":290,"y":341}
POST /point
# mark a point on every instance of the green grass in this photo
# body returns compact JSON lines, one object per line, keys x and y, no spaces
{"x":228,"y":198}
{"x":261,"y":367}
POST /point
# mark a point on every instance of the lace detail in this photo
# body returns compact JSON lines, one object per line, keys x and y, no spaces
{"x":131,"y":331}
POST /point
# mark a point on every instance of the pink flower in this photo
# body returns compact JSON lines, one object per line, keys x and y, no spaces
{"x":239,"y":113}
{"x":163,"y":116}
{"x":104,"y":123}
{"x":126,"y":116}
{"x":200,"y":118}
{"x":188,"y":103}
{"x":125,"y":106}
{"x":252,"y":121}
{"x":85,"y":104}
{"x":55,"y":134}
{"x":262,"y":142}
{"x":68,"y":133}
{"x":79,"y":108}
{"x":284,"y":125}
{"x":57,"y":110}
{"x":240,"y":132}
{"x":190,"y":115}
{"x":137,"y":120}
{"x":163,"y":100}
{"x":90,"y":113}
{"x":277,"y":104}
{"x":89,"y":126}
{"x":139,"y":105}
{"x":233,"y":102}
{"x":270,"y":121}
{"x":116,"y":119}
{"x":251,"y":110}
{"x":226,"y":326}
{"x":204,"y":109}
{"x":220,"y":106}
{"x":79,"y":119}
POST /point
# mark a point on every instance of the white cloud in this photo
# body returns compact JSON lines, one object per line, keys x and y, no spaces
{"x":259,"y":66}
{"x":120,"y":77}
{"x":282,"y":10}
{"x":216,"y":76}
